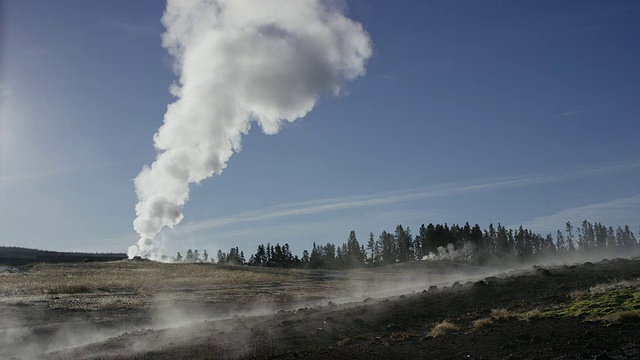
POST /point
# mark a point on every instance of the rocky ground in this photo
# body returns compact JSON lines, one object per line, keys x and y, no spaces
{"x":585,"y":311}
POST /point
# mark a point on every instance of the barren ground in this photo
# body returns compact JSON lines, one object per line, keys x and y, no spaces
{"x":147,"y":310}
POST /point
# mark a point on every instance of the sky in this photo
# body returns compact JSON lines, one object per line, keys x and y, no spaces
{"x":511,"y":112}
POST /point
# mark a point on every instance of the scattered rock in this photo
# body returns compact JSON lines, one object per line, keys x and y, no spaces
{"x":479,"y":285}
{"x":543,"y":272}
{"x":491,"y":280}
{"x":600,"y":279}
{"x":394,"y":327}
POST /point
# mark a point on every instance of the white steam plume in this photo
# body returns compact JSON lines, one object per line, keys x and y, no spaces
{"x":238,"y":62}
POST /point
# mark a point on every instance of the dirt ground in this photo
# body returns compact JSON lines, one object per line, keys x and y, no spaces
{"x":435,"y":311}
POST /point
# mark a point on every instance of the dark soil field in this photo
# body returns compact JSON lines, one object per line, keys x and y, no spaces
{"x":434,"y":310}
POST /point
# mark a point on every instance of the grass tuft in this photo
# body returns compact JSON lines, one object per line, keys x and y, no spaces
{"x":481,"y":323}
{"x":500,"y":313}
{"x":578,"y":294}
{"x":623,"y":316}
{"x":442,"y":328}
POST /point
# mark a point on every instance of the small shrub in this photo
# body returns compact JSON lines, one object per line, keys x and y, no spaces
{"x":442,"y":328}
{"x":532,"y":314}
{"x":480,"y":323}
{"x":350,"y":340}
{"x":578,"y":294}
{"x":623,"y":316}
{"x":500,"y":313}
{"x":402,"y":336}
{"x":619,"y":285}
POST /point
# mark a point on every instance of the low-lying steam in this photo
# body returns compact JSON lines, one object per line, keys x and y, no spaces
{"x":238,"y":62}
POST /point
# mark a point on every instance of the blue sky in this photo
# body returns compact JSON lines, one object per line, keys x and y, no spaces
{"x":486,"y":112}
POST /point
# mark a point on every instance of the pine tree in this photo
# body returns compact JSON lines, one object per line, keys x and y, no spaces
{"x":601,"y":235}
{"x":476,"y":237}
{"x":549,"y":246}
{"x":329,"y":255}
{"x":429,"y":244}
{"x":611,"y":238}
{"x":355,"y":257}
{"x":620,"y":238}
{"x":315,"y":259}
{"x":589,"y":235}
{"x":421,"y":242}
{"x":492,"y":240}
{"x":569,"y":229}
{"x":387,"y":248}
{"x":520,"y":242}
{"x":560,"y":244}
{"x":221,"y":257}
{"x":403,"y":241}
{"x":502,"y":240}
{"x":371,"y":248}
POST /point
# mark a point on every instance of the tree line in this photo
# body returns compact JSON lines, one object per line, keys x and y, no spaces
{"x":441,"y":241}
{"x":14,"y":255}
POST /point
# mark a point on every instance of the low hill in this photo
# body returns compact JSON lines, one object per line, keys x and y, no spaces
{"x":15,"y":256}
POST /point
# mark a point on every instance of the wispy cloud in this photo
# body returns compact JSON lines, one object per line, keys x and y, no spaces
{"x":624,"y":211}
{"x":63,"y":170}
{"x":384,"y":198}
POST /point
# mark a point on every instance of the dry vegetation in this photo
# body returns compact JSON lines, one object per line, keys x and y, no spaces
{"x":442,"y":328}
{"x":481,"y":323}
{"x":612,"y":302}
{"x":127,"y":284}
{"x":500,"y":313}
{"x":191,"y":310}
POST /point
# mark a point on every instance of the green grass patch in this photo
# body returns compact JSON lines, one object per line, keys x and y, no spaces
{"x":603,"y":304}
{"x":599,"y":305}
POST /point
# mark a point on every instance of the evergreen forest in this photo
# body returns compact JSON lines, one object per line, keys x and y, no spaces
{"x":465,"y":243}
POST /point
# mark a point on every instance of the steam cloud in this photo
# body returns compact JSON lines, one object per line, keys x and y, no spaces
{"x":238,"y":62}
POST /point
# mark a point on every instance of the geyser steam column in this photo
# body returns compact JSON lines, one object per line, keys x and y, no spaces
{"x":238,"y":62}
